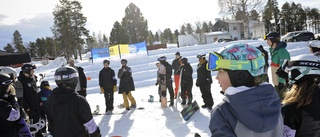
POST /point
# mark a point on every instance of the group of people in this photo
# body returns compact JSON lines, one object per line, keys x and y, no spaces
{"x":252,"y":107}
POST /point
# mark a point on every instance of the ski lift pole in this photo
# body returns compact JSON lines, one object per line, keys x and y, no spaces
{"x":119,"y":51}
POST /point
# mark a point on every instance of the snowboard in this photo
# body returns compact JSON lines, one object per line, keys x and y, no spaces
{"x":188,"y":111}
{"x":179,"y":89}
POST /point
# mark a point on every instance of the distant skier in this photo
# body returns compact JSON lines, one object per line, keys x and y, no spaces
{"x":168,"y":67}
{"x":250,"y":108}
{"x":278,"y":54}
{"x":186,"y":81}
{"x":204,"y":80}
{"x":176,"y":76}
{"x":126,"y":85}
{"x":81,"y":87}
{"x":108,"y":85}
{"x":69,"y":113}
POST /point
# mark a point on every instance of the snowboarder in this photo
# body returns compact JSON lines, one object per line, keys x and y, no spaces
{"x":30,"y":93}
{"x":176,"y":72}
{"x":108,"y":85}
{"x":81,"y":87}
{"x":186,"y":81}
{"x":45,"y":91}
{"x":250,"y":108}
{"x":278,"y":53}
{"x":168,"y":67}
{"x":204,"y":81}
{"x":69,"y":113}
{"x":162,"y":82}
{"x":301,"y":104}
{"x":126,"y":85}
{"x":11,"y":122}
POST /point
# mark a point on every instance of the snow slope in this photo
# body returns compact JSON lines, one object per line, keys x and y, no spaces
{"x":153,"y":120}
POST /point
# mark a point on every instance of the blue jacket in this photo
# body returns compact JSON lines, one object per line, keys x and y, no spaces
{"x":248,"y":112}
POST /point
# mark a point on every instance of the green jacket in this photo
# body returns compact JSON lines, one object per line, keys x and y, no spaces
{"x":278,"y":55}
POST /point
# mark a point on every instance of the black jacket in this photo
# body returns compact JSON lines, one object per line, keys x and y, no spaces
{"x":82,"y":78}
{"x":126,"y":80}
{"x":203,"y":75}
{"x":186,"y":77}
{"x":107,"y":78}
{"x":30,"y":92}
{"x":175,"y":66}
{"x":306,"y":119}
{"x":67,"y":114}
{"x":8,"y":128}
{"x":168,"y":71}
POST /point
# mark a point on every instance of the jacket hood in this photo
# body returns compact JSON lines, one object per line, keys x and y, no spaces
{"x":257,"y":108}
{"x":281,"y":45}
{"x":61,"y":95}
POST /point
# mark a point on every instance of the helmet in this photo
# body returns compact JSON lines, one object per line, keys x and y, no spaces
{"x":302,"y":66}
{"x":162,"y":58}
{"x":66,"y":77}
{"x":200,"y":55}
{"x":184,"y":60}
{"x":243,"y":52}
{"x":314,"y":43}
{"x":10,"y":71}
{"x":26,"y":68}
{"x":177,"y":53}
{"x":44,"y":83}
{"x":273,"y":36}
{"x":5,"y":81}
{"x":124,"y":61}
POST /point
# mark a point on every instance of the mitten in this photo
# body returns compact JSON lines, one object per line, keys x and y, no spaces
{"x":114,"y":88}
{"x":101,"y":90}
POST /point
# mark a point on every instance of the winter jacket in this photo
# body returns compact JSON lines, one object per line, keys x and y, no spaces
{"x":69,"y":115}
{"x":186,"y":77}
{"x":176,"y":65}
{"x":9,"y":108}
{"x":203,"y":75}
{"x":82,"y":78}
{"x":30,"y":92}
{"x":248,"y":112}
{"x":306,"y":119}
{"x":43,"y":97}
{"x":168,"y":71}
{"x":126,"y":80}
{"x":278,"y":55}
{"x":107,"y":78}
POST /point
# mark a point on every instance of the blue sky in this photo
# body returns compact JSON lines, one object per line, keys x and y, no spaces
{"x":34,"y":18}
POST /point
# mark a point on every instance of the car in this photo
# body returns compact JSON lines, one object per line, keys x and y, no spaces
{"x":289,"y":35}
{"x":222,"y":40}
{"x":303,"y":36}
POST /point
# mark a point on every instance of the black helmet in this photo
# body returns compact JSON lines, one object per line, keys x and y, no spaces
{"x":44,"y":83}
{"x":177,"y":53}
{"x":26,"y":68}
{"x":66,"y":77}
{"x":124,"y":61}
{"x":184,"y":60}
{"x":273,"y":36}
{"x":201,"y":55}
{"x":162,"y":58}
{"x":5,"y":81}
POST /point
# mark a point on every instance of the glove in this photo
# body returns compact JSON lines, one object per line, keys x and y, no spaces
{"x":101,"y":90}
{"x":156,"y":84}
{"x":197,"y":84}
{"x":114,"y":88}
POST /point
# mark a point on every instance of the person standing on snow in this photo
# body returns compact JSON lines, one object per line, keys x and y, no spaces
{"x":126,"y":85}
{"x":108,"y":85}
{"x":204,"y":81}
{"x":301,"y":104}
{"x":168,"y":67}
{"x":45,"y":91}
{"x":69,"y":113}
{"x":176,"y":72}
{"x":81,"y":87}
{"x":250,"y":108}
{"x":278,"y":55}
{"x":186,"y":81}
{"x":30,"y":94}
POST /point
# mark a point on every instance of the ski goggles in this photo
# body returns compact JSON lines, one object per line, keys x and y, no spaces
{"x":216,"y":62}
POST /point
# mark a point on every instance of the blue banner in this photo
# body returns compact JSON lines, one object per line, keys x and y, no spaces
{"x":138,"y":48}
{"x":100,"y":53}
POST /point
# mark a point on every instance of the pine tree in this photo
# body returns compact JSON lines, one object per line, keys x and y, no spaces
{"x":118,"y":35}
{"x":150,"y":38}
{"x":18,"y":43}
{"x":9,"y":48}
{"x":183,"y":30}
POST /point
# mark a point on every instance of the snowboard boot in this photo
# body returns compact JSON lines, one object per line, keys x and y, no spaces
{"x":205,"y":106}
{"x":171,"y":102}
{"x":183,"y":102}
{"x":151,"y":98}
{"x":189,"y":101}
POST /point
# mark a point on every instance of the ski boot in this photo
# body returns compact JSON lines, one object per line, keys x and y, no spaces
{"x":151,"y":98}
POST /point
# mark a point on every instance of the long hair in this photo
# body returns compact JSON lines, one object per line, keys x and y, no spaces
{"x":301,"y":92}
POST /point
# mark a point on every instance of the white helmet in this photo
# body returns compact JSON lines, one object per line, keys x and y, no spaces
{"x":9,"y":70}
{"x":314,"y":44}
{"x":301,"y":66}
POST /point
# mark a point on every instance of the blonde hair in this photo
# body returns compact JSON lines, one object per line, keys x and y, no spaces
{"x":46,"y":87}
{"x":300,"y":93}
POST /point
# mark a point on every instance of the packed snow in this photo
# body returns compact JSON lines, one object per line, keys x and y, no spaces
{"x":152,"y":120}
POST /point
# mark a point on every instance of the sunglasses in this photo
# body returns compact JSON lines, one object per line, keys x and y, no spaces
{"x":216,"y":62}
